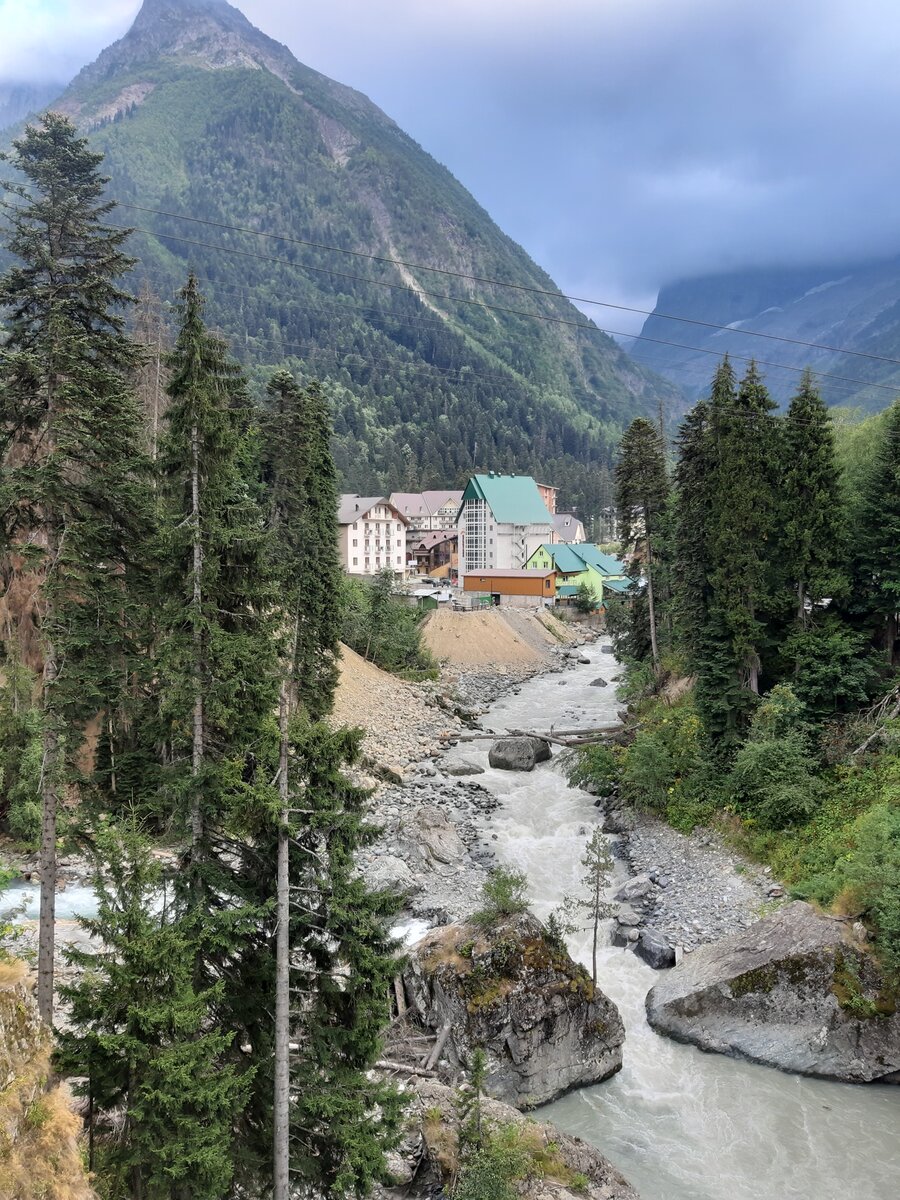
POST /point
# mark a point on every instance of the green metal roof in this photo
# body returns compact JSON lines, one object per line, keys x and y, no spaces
{"x":567,"y":589}
{"x":571,"y":557}
{"x":604,"y":563}
{"x":617,"y":585}
{"x":513,"y":499}
{"x":564,"y":557}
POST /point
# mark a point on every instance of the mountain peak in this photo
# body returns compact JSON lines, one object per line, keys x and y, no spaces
{"x":209,"y":33}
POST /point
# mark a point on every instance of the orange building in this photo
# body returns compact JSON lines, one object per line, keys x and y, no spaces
{"x":548,"y":495}
{"x":513,"y":587}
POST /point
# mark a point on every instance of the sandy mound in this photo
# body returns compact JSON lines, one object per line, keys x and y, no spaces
{"x":494,"y":638}
{"x":401,"y":724}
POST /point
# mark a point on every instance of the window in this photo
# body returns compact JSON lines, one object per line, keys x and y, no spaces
{"x":355,"y":543}
{"x":356,"y":562}
{"x":399,"y":543}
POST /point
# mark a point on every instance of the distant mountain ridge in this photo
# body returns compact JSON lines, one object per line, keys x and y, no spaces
{"x":200,"y":113}
{"x":20,"y":100}
{"x":853,"y":306}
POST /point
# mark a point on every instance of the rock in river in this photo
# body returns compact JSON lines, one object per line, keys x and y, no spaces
{"x":793,"y":991}
{"x":543,"y":1026}
{"x":655,"y":949}
{"x":518,"y":753}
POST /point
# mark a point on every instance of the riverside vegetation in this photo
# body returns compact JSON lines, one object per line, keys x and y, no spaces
{"x":762,"y":655}
{"x":171,"y":625}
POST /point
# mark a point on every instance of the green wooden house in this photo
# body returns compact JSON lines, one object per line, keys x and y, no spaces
{"x":578,"y":563}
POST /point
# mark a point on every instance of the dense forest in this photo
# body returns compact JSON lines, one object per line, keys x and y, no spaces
{"x":430,"y":376}
{"x":171,"y":616}
{"x":763,"y":647}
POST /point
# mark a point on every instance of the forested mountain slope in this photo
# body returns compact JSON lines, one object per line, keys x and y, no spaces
{"x":200,"y":113}
{"x":847,"y":306}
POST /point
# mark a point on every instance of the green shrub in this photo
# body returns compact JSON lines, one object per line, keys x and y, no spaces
{"x":503,"y":895}
{"x":663,"y":762}
{"x":774,"y":783}
{"x":872,"y":871}
{"x":383,"y":628}
{"x":597,"y":766}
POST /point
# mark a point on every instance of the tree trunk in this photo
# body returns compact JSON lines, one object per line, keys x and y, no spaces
{"x":49,"y":806}
{"x":198,"y":739}
{"x":281,"y":1155}
{"x":651,"y":608}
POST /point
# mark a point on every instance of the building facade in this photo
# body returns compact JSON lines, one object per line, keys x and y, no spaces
{"x":372,"y":535}
{"x":427,"y":512}
{"x":568,"y":528}
{"x":580,"y":564}
{"x":502,"y":520}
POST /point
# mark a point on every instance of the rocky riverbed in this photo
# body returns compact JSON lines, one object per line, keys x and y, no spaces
{"x":695,"y":890}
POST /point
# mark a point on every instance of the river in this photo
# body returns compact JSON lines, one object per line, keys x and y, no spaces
{"x":680,"y":1124}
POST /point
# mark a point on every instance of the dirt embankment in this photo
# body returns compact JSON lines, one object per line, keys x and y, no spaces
{"x":403,"y":721}
{"x":497,"y":639}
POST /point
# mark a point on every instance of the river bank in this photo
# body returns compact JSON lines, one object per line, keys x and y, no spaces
{"x":679,"y":1123}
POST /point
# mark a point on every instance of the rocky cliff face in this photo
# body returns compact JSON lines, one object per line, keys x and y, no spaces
{"x":564,"y":1167}
{"x":543,"y":1026}
{"x":40,"y":1157}
{"x":793,"y":991}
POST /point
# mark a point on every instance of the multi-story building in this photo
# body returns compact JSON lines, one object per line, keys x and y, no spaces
{"x":372,"y":535}
{"x":502,"y":521}
{"x":567,"y":528}
{"x":428,"y":511}
{"x":548,"y":495}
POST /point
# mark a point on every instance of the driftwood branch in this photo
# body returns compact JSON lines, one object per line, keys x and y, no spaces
{"x":882,"y":712}
{"x":431,"y":1061}
{"x":385,"y":1064}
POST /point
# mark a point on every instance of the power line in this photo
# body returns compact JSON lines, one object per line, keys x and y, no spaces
{"x":422,"y":367}
{"x":519,"y":287}
{"x":590,"y":327}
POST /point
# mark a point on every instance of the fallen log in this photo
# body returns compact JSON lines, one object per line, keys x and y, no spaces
{"x":385,"y":1064}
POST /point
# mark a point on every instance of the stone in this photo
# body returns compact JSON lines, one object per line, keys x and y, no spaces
{"x":425,"y":1163}
{"x":599,"y":683}
{"x":543,"y":1027}
{"x":513,"y":754}
{"x":391,"y":874}
{"x":619,"y":820}
{"x":636,"y":888}
{"x":542,"y":751}
{"x":793,"y":991}
{"x":583,"y":660}
{"x":627,"y":915}
{"x":655,"y":950}
{"x":607,"y":649}
{"x":437,"y":838}
{"x":459,"y":769}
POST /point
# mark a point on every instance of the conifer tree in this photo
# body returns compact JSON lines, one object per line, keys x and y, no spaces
{"x":330,"y":946}
{"x":141,"y":1035}
{"x":218,"y":677}
{"x":641,"y":495}
{"x":741,"y":534}
{"x":215,"y":655}
{"x":877,"y":565}
{"x":813,"y":533}
{"x":72,"y":498}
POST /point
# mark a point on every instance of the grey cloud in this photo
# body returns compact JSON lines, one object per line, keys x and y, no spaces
{"x":626,"y":143}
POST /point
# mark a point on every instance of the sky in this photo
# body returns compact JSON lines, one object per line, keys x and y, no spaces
{"x":625,"y":144}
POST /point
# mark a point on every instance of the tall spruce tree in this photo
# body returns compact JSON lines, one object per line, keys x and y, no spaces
{"x":72,"y":500}
{"x":741,"y":541}
{"x":641,"y":493}
{"x":813,"y":535}
{"x":331,"y":951}
{"x":877,"y":538}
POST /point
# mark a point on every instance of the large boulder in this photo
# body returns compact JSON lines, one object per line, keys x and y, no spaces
{"x":793,"y":991}
{"x":543,"y":1026}
{"x":518,"y":753}
{"x":427,"y":1160}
